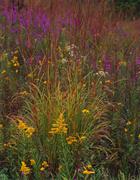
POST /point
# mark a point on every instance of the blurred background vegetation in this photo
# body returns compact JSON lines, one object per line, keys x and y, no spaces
{"x":129,"y":7}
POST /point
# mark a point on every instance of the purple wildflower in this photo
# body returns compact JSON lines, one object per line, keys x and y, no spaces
{"x":138,"y":61}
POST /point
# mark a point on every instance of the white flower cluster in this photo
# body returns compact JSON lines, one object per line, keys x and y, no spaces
{"x":70,"y":49}
{"x":102,"y":73}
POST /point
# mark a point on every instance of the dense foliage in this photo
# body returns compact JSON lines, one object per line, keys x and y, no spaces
{"x":69,"y":92}
{"x":129,"y":6}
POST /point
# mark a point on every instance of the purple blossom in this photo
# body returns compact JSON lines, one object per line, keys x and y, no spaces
{"x":45,"y":23}
{"x":138,"y":61}
{"x":107,"y":64}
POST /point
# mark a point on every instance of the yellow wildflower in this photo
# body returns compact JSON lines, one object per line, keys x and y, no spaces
{"x":16,"y":64}
{"x":128,"y":123}
{"x":88,"y":172}
{"x":45,"y":164}
{"x":71,"y":139}
{"x":21,"y":125}
{"x":85,"y":111}
{"x":32,"y":161}
{"x":60,"y":126}
{"x":139,"y":136}
{"x":89,"y":166}
{"x":24,"y":169}
{"x":29,"y":131}
{"x":6,"y":145}
{"x":1,"y":125}
{"x":42,"y":169}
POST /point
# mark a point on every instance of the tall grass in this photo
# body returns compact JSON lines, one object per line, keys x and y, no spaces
{"x":69,"y":92}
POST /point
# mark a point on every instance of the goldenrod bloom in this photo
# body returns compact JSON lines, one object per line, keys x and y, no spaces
{"x":29,"y":131}
{"x":21,"y":125}
{"x":42,"y":169}
{"x":45,"y":164}
{"x":88,"y":172}
{"x":85,"y":111}
{"x":128,"y":123}
{"x":7,"y":145}
{"x":71,"y":139}
{"x":24,"y":169}
{"x":89,"y":166}
{"x":32,"y":161}
{"x":16,"y":64}
{"x":60,"y":127}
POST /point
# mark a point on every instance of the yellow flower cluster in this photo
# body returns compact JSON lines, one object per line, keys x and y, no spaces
{"x":32,"y":161}
{"x":15,"y":62}
{"x":60,"y":127}
{"x":71,"y":139}
{"x":44,"y":166}
{"x":88,"y":170}
{"x":28,"y":130}
{"x":75,"y":139}
{"x":7,"y":145}
{"x":128,"y":123}
{"x":85,"y":111}
{"x":24,"y":169}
